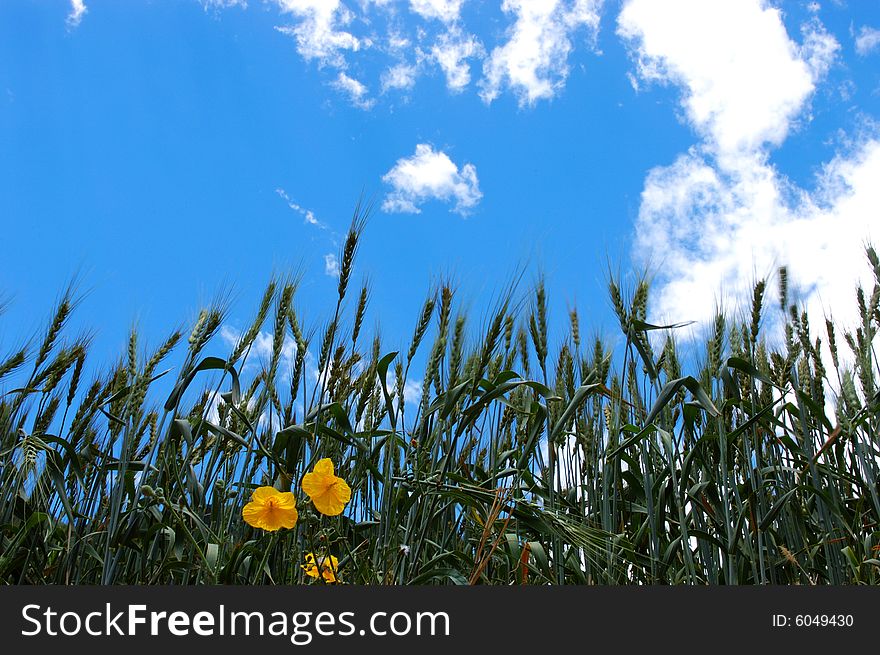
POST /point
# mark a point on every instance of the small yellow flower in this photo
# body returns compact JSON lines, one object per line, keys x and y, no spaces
{"x":328,"y":565}
{"x":270,"y":509}
{"x":326,"y":491}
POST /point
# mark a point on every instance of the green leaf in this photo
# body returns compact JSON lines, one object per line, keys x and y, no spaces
{"x":382,"y":374}
{"x":777,"y":507}
{"x":453,"y":575}
{"x":207,"y":364}
{"x":580,"y":395}
{"x":669,"y":390}
{"x":642,"y":326}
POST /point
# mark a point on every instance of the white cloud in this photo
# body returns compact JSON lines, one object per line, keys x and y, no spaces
{"x":722,"y":215}
{"x":331,"y":265}
{"x":230,"y":335}
{"x":318,"y":34}
{"x":430,"y":174}
{"x":447,"y":11}
{"x":714,"y":232}
{"x":412,"y":392}
{"x":534,"y":61}
{"x":531,"y":59}
{"x":867,"y":40}
{"x":77,"y":10}
{"x":307,"y":214}
{"x":223,"y":4}
{"x":818,"y":48}
{"x":412,"y":389}
{"x":451,"y":52}
{"x":355,"y":90}
{"x":397,"y":43}
{"x":400,"y":76}
{"x":744,"y":79}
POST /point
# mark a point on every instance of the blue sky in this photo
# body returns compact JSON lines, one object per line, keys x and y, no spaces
{"x":165,"y":151}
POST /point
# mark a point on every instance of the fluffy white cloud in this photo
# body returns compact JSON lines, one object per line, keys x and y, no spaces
{"x":400,"y":76}
{"x":357,"y":93}
{"x":77,"y":10}
{"x":318,"y":33}
{"x":531,"y":58}
{"x":744,"y":80}
{"x":713,"y":233}
{"x":722,"y":215}
{"x":445,"y":10}
{"x":430,"y":174}
{"x":867,"y":40}
{"x":534,"y":61}
{"x":451,"y":52}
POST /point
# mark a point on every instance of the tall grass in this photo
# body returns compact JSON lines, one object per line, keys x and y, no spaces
{"x":533,"y":455}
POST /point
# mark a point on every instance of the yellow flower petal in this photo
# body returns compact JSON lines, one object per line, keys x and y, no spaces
{"x":271,"y":509}
{"x":280,"y":518}
{"x":342,"y":491}
{"x":315,"y":484}
{"x":262,"y":494}
{"x":333,"y":500}
{"x":285,"y":500}
{"x":310,"y":567}
{"x":326,"y":566}
{"x":329,"y":566}
{"x":328,"y":492}
{"x":253,"y":514}
{"x":324,"y":467}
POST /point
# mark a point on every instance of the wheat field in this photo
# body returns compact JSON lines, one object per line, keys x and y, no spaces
{"x":532,"y":456}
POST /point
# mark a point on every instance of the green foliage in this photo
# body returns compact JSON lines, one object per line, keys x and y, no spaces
{"x":617,"y":466}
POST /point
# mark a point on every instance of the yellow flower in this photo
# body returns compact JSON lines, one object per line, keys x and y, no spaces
{"x":329,"y":567}
{"x":327,"y":492}
{"x":270,"y":509}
